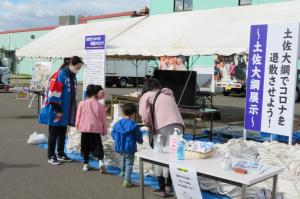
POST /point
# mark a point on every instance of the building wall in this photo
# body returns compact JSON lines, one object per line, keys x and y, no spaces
{"x":167,"y":6}
{"x":161,"y":6}
{"x":12,"y":41}
{"x":202,"y":61}
{"x":266,"y":1}
{"x":208,"y":4}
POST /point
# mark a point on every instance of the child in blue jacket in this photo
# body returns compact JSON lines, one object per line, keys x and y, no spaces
{"x":126,"y":133}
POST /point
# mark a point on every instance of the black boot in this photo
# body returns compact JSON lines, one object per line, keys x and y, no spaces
{"x":168,"y":186}
{"x":162,"y":187}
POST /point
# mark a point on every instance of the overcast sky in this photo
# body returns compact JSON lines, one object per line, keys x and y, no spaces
{"x":16,"y":14}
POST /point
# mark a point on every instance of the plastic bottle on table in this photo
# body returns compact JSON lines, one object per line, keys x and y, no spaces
{"x":174,"y":139}
{"x":227,"y":163}
{"x":180,"y":149}
{"x":158,"y":144}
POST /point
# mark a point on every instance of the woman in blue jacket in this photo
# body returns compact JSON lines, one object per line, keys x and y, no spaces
{"x":59,"y":107}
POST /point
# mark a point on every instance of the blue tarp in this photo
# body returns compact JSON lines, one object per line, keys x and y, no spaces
{"x":149,"y":180}
{"x":232,"y":131}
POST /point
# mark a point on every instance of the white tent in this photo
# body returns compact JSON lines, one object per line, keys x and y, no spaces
{"x":222,"y":31}
{"x":66,"y":41}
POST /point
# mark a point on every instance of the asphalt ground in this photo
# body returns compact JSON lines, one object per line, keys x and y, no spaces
{"x":25,"y":173}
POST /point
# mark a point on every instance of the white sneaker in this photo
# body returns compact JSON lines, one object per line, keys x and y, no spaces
{"x":102,"y":166}
{"x":85,"y":167}
{"x":101,"y":163}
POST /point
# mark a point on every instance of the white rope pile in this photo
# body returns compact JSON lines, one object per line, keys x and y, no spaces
{"x":74,"y":140}
{"x":148,"y":168}
{"x":270,"y":153}
{"x":267,"y":153}
{"x":111,"y":158}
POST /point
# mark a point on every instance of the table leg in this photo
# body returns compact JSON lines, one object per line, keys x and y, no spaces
{"x":194,"y":128}
{"x":275,"y":179}
{"x":112,"y":108}
{"x":39,"y":103}
{"x":244,"y":192}
{"x":211,"y":126}
{"x":141,"y":168}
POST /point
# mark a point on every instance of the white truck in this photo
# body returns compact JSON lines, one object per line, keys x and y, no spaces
{"x":121,"y":73}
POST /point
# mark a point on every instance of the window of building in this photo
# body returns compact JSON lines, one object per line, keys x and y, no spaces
{"x":183,"y":5}
{"x":245,"y":2}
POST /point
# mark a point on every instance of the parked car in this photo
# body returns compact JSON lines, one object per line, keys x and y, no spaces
{"x":4,"y":75}
{"x":297,"y":96}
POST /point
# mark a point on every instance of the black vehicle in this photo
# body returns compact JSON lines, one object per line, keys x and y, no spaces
{"x":4,"y":75}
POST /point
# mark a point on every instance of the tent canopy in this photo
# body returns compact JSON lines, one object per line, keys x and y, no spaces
{"x":67,"y":41}
{"x":223,"y":31}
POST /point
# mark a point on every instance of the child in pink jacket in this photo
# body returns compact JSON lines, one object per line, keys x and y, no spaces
{"x":91,"y":122}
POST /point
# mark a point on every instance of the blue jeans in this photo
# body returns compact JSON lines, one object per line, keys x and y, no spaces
{"x":127,"y":162}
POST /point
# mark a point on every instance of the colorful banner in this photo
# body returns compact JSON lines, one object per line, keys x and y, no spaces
{"x":40,"y":76}
{"x":173,"y":63}
{"x":271,"y":83}
{"x":230,"y":70}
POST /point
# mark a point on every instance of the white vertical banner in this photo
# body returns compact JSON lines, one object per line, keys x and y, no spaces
{"x":280,"y":74}
{"x":185,"y":182}
{"x":95,"y":57}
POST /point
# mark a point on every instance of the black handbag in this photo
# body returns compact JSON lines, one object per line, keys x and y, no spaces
{"x":152,"y":111}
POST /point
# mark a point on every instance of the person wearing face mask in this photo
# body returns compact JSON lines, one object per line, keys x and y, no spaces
{"x":91,"y":122}
{"x":59,"y":107}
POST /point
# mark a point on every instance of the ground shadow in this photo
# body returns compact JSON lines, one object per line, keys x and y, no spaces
{"x":22,"y":117}
{"x":26,"y":117}
{"x":228,"y":115}
{"x":231,"y":114}
{"x":238,"y":95}
{"x":4,"y":166}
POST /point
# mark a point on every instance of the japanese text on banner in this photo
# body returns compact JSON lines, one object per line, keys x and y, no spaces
{"x":255,"y":79}
{"x":280,"y":79}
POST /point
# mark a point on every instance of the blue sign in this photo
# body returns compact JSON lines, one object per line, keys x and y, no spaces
{"x":255,"y":77}
{"x":95,"y":42}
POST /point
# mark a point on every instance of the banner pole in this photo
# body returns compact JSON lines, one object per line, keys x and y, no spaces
{"x":245,"y":134}
{"x":290,"y":140}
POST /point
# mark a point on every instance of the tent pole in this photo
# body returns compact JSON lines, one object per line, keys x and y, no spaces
{"x":136,"y":75}
{"x":186,"y":83}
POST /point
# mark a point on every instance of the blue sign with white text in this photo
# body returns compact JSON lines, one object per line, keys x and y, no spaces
{"x":95,"y":42}
{"x":255,"y":79}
